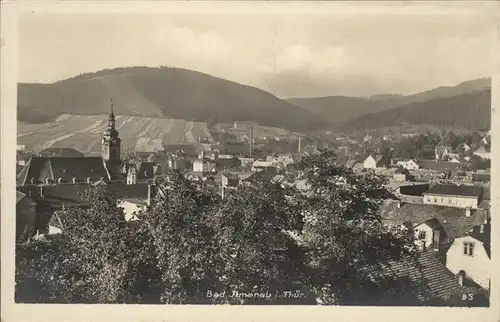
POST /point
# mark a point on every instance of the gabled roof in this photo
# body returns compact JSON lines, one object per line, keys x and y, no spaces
{"x":481,"y":149}
{"x":72,"y":194}
{"x":454,"y":190}
{"x":430,"y":277}
{"x":453,"y":220}
{"x":61,"y":152}
{"x":66,"y":168}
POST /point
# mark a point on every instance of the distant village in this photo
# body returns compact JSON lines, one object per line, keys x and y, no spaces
{"x":443,"y":199}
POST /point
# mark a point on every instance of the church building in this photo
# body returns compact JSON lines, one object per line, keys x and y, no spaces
{"x":45,"y":170}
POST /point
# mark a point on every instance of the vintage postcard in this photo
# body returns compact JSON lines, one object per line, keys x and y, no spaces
{"x":249,"y":160}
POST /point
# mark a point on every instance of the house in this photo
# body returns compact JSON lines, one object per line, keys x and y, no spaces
{"x":203,"y":166}
{"x":246,"y":161}
{"x":483,"y":153}
{"x":454,"y":196}
{"x":229,"y":179}
{"x":442,"y":151}
{"x":379,"y":161}
{"x":212,"y":155}
{"x":408,"y":165}
{"x":428,"y":234}
{"x":258,"y":166}
{"x":53,"y":198}
{"x":25,"y":216}
{"x":471,"y":254}
{"x":454,"y":221}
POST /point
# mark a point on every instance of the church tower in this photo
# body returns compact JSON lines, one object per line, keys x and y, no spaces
{"x":110,"y":144}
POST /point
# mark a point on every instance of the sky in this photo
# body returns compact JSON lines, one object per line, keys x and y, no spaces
{"x":288,"y":54}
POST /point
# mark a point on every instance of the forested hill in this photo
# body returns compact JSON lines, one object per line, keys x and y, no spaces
{"x":470,"y":111}
{"x":340,"y":109}
{"x":162,"y":92}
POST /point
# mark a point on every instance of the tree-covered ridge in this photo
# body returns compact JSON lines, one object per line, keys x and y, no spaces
{"x":471,"y":111}
{"x":287,"y":246}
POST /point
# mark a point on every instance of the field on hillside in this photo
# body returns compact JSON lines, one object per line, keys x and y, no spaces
{"x":84,"y":132}
{"x":259,"y":131}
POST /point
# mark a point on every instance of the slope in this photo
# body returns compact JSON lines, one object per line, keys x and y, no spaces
{"x":160,"y":92}
{"x":471,"y":111}
{"x":341,"y":109}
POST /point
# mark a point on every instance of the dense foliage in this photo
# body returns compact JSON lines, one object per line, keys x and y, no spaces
{"x":324,"y":243}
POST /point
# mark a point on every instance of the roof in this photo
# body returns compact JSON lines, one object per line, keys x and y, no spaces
{"x":439,"y":165}
{"x":230,"y":176}
{"x":350,"y":163}
{"x":19,"y":196}
{"x":453,"y":220}
{"x":481,"y":149}
{"x":431,"y":278}
{"x":146,"y":170}
{"x":454,"y":190}
{"x":71,"y":194}
{"x":61,"y":152}
{"x":66,"y":168}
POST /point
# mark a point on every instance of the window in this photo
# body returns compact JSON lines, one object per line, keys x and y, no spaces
{"x":469,"y":249}
{"x":421,"y":235}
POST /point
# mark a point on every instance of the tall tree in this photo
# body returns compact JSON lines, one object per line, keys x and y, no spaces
{"x":99,"y":257}
{"x":344,"y":233}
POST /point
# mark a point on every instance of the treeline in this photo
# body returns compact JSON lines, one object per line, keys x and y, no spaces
{"x":468,"y":111}
{"x":191,"y":243}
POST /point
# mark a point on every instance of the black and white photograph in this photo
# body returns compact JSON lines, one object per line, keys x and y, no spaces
{"x":260,"y":157}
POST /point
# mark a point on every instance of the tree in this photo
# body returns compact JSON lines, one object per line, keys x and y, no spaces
{"x":183,"y":240}
{"x":99,"y":257}
{"x":254,"y":231}
{"x":344,"y":235}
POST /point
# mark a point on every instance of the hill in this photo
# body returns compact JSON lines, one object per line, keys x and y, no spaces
{"x":162,"y":92}
{"x":341,"y":109}
{"x":471,"y":111}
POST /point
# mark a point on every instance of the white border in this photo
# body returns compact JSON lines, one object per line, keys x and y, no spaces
{"x":47,"y":312}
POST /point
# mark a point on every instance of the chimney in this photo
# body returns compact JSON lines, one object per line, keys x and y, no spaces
{"x":300,"y":143}
{"x":151,"y":189}
{"x":89,"y":180}
{"x":461,"y":276}
{"x":59,"y":180}
{"x":436,"y":239}
{"x":41,"y":191}
{"x":467,"y":212}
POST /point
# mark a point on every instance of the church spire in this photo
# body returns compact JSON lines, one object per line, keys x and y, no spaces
{"x":111,"y":120}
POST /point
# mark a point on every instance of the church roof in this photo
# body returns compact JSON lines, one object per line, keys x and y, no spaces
{"x":39,"y":169}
